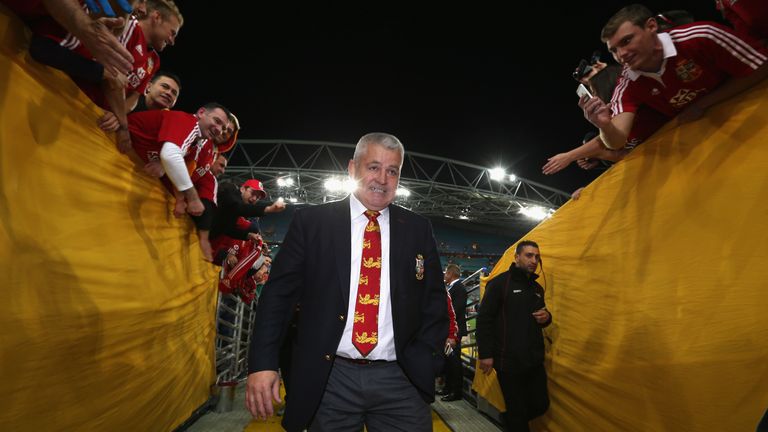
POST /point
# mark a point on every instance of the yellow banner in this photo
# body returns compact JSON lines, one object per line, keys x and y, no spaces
{"x":656,"y":279}
{"x":107,"y":315}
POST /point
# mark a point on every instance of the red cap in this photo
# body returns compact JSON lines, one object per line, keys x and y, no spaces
{"x":256,"y":185}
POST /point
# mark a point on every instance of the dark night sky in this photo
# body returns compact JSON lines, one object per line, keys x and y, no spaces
{"x":465,"y":80}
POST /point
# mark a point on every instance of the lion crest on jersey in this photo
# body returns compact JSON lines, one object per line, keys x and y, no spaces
{"x":684,"y":97}
{"x":687,"y":70}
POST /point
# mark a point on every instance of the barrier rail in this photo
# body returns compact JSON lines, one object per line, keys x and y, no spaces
{"x":469,"y":344}
{"x":234,"y":325}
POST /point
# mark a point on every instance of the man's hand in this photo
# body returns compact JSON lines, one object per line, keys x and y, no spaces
{"x":154,"y":168}
{"x":485,"y":365}
{"x":195,"y":207}
{"x":451,"y":342}
{"x":556,"y":163}
{"x":595,"y":111}
{"x":541,"y":316}
{"x":577,"y":194}
{"x":180,"y":208}
{"x":109,"y":122}
{"x":104,"y":46}
{"x":587,"y":163}
{"x":276,"y":207}
{"x":231,"y":260}
{"x":256,"y":237}
{"x":261,"y":388}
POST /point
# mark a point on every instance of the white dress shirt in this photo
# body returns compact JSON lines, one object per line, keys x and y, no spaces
{"x":385,"y":348}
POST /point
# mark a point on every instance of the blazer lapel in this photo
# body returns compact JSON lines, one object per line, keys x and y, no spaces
{"x":396,"y":242}
{"x":342,"y":237}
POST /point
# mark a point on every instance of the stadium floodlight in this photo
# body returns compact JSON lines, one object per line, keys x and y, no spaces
{"x":293,"y":200}
{"x":536,"y":212}
{"x":497,"y":174}
{"x":464,"y":217}
{"x":512,"y":177}
{"x":333,"y":184}
{"x":349,"y":185}
{"x":285,"y":182}
{"x":403,"y":192}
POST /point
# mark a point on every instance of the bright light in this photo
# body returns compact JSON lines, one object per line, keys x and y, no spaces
{"x":293,"y":200}
{"x":285,"y":181}
{"x":536,"y":212}
{"x":333,"y":184}
{"x":403,"y":192}
{"x":512,"y":177}
{"x":497,"y":174}
{"x":464,"y":217}
{"x":349,"y":185}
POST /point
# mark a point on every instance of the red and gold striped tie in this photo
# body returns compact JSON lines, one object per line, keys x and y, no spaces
{"x":365,"y":329}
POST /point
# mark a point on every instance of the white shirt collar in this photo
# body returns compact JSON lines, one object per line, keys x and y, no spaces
{"x":668,"y":50}
{"x":356,"y":208}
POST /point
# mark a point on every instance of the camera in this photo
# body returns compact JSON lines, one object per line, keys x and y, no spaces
{"x":582,"y":70}
{"x":585,"y":67}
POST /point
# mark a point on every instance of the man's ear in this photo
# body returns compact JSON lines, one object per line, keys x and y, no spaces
{"x":652,"y":25}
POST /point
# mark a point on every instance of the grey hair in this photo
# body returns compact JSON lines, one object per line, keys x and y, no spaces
{"x":453,"y":268}
{"x":388,"y":141}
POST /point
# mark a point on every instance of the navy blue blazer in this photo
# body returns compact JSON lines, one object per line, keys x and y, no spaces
{"x":312,"y":268}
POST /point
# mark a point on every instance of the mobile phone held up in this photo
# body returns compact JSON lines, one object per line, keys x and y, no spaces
{"x":582,"y":91}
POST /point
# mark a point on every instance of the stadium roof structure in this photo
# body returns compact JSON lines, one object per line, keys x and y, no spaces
{"x":313,"y":172}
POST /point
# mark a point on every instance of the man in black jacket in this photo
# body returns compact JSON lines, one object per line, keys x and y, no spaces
{"x":453,"y":369}
{"x":510,"y":340}
{"x":234,"y":202}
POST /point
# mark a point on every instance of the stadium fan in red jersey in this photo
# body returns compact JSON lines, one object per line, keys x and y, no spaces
{"x":205,"y":164}
{"x":678,"y":73}
{"x":600,"y":79}
{"x":162,"y":92}
{"x":749,"y":17}
{"x":167,"y":136}
{"x":143,"y":37}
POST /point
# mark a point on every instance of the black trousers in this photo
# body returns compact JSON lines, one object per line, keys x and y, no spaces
{"x":453,"y":372}
{"x":525,"y":394}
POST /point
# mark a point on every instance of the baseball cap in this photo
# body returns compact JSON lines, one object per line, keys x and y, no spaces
{"x":256,"y":185}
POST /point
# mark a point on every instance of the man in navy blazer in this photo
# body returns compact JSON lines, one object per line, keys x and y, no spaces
{"x":334,"y":386}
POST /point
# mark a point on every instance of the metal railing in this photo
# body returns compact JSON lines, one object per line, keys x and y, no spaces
{"x":469,"y":344}
{"x":234,"y":325}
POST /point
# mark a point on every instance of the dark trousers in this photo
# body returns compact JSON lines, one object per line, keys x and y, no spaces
{"x":377,"y":395}
{"x":526,"y":396}
{"x":453,"y":372}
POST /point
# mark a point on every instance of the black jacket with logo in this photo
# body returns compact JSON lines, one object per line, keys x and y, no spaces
{"x":506,"y":328}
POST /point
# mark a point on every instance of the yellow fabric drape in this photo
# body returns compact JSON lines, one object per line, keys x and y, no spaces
{"x":107,"y":318}
{"x":656,"y":279}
